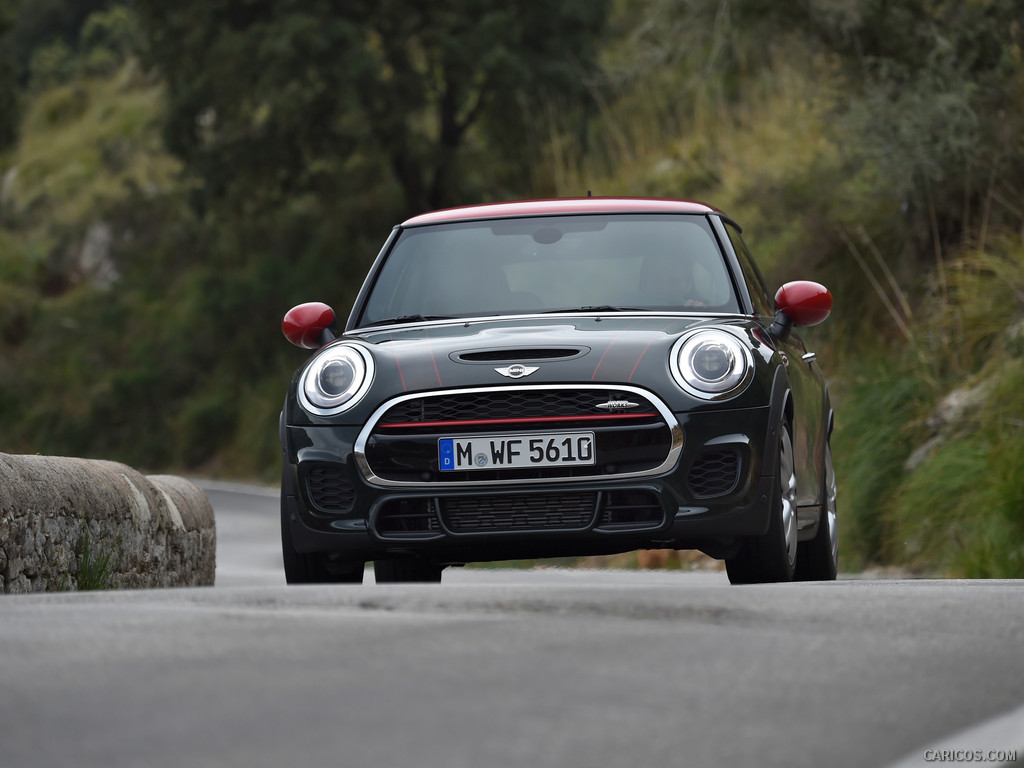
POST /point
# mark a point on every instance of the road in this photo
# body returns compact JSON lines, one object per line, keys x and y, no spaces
{"x":490,"y":669}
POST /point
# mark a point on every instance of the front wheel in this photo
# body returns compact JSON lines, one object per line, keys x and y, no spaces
{"x":772,"y":557}
{"x":818,"y":559}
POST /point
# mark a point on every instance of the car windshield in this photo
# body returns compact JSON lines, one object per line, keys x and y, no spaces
{"x":552,"y":264}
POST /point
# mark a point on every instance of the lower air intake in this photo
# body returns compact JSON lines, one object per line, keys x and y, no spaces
{"x":630,"y":510}
{"x":714,"y":473}
{"x":525,"y":512}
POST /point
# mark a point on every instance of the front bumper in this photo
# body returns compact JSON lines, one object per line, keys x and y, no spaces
{"x":715,"y":493}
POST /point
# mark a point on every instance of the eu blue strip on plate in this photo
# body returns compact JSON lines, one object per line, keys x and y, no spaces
{"x":446,"y":452}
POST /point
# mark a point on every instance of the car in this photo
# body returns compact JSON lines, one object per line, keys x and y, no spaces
{"x":559,"y":378}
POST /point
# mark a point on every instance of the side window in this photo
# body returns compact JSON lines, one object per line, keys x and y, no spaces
{"x":752,"y":276}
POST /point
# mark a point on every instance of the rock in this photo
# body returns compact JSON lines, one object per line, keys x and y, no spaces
{"x":954,"y":409}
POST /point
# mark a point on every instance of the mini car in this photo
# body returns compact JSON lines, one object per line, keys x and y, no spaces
{"x":559,"y":378}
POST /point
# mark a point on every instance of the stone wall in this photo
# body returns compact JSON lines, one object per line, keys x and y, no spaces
{"x":75,"y":523}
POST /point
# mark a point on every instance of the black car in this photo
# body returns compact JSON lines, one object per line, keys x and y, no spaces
{"x":559,"y":378}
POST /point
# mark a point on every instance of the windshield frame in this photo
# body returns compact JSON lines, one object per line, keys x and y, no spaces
{"x":733,"y":303}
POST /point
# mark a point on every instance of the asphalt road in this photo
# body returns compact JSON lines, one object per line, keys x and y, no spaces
{"x":508,"y":668}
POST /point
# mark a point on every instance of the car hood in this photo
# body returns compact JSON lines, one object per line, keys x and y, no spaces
{"x":622,"y":349}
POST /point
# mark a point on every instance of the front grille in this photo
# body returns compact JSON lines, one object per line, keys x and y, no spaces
{"x":329,"y":489}
{"x":524,"y":404}
{"x":524,"y":512}
{"x":714,"y":473}
{"x":402,"y":445}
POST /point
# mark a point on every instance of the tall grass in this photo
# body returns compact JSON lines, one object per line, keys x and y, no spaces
{"x":960,"y":508}
{"x":96,"y":563}
{"x":963,"y":507}
{"x":880,"y":420}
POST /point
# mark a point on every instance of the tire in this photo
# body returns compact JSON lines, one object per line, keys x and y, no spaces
{"x":404,"y":571}
{"x":818,"y":559}
{"x":773,"y":556}
{"x":311,"y":567}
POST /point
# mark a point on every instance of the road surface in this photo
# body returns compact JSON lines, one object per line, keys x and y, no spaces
{"x":496,"y":668}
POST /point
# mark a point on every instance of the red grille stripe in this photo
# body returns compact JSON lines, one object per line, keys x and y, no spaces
{"x":534,"y":419}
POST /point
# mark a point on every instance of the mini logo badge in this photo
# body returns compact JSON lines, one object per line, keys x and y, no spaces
{"x":617,"y":405}
{"x":517,"y":371}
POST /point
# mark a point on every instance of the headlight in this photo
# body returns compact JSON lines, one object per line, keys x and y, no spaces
{"x":336,"y":380}
{"x":711,"y":364}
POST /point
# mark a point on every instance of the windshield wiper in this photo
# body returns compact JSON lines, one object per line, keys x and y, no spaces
{"x":407,"y":319}
{"x":594,"y":308}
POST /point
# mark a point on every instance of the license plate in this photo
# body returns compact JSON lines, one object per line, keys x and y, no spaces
{"x":515,"y":451}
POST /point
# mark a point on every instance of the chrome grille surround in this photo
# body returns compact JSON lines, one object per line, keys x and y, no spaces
{"x":671,"y":458}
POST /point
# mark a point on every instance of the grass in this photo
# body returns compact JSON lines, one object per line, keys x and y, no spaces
{"x":96,"y":564}
{"x":956,"y":397}
{"x":963,"y":506}
{"x":87,"y":145}
{"x":879,"y":418}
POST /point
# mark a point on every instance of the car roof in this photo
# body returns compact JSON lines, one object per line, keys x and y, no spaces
{"x":560,"y":206}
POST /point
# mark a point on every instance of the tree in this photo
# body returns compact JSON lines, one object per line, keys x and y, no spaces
{"x":8,"y":78}
{"x":38,"y":23}
{"x":928,"y":97}
{"x":933,"y":99}
{"x":277,"y":96}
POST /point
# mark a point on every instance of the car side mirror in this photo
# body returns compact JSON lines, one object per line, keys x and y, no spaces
{"x":310,"y":325}
{"x":800,"y":303}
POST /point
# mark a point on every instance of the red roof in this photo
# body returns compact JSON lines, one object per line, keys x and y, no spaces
{"x":561,"y":206}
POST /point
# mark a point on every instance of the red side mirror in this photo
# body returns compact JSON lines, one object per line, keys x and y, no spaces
{"x":303,"y":325}
{"x":804,"y":302}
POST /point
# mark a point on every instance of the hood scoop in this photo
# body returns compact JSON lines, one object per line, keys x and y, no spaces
{"x":519,"y":355}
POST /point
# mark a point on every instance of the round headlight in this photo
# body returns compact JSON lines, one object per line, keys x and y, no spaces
{"x":336,"y":379}
{"x":711,"y":364}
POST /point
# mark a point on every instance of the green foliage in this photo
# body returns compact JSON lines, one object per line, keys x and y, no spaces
{"x":37,"y":24}
{"x":879,"y":418}
{"x":930,"y":463}
{"x":115,"y":29}
{"x":962,"y":507}
{"x":274,"y":99}
{"x":93,"y":38}
{"x":938,"y":109}
{"x":9,"y":96}
{"x":95,"y":563}
{"x":985,"y":295}
{"x":51,"y":65}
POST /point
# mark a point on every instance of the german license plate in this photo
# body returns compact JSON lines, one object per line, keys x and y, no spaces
{"x":515,"y":451}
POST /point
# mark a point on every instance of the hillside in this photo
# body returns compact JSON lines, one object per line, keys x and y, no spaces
{"x":143,"y":271}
